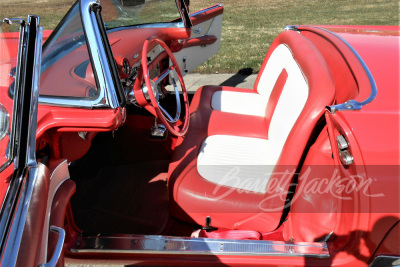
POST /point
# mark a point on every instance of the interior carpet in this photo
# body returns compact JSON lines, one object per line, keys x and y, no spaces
{"x":121,"y":199}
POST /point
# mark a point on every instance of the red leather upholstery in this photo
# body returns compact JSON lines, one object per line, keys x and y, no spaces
{"x":193,"y":198}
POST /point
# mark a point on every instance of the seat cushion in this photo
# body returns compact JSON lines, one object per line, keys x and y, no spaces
{"x":243,"y":163}
{"x":234,"y":196}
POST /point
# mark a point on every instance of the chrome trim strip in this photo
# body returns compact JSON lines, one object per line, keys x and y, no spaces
{"x":99,"y":57}
{"x":138,"y":244}
{"x":351,"y":104}
{"x":205,"y":10}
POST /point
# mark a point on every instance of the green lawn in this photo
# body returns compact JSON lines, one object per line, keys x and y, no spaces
{"x":249,"y":26}
{"x":50,"y":11}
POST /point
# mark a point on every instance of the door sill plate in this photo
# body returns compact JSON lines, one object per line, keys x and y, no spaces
{"x":156,"y":244}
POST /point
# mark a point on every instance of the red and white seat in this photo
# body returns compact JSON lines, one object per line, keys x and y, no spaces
{"x":236,"y":162}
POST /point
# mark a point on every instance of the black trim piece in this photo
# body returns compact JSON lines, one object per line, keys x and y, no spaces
{"x":110,"y":58}
{"x":184,"y":11}
{"x":27,"y":93}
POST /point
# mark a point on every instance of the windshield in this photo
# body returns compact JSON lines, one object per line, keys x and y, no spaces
{"x":119,"y":13}
{"x":66,"y":69}
{"x":66,"y":66}
{"x":9,"y":38}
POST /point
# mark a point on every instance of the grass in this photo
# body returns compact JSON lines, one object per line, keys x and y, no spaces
{"x":50,"y":11}
{"x":249,"y":26}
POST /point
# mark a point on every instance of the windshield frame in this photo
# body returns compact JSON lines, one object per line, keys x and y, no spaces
{"x":108,"y":85}
{"x":110,"y":91}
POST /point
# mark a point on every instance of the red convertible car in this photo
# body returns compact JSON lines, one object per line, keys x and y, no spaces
{"x":107,"y":158}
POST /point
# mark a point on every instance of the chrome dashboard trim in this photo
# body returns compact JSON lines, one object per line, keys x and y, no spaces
{"x":157,"y":244}
{"x":351,"y":104}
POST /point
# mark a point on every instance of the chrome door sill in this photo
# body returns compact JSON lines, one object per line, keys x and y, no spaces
{"x":156,"y":244}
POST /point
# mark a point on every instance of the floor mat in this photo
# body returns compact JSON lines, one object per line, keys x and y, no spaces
{"x":123,"y":199}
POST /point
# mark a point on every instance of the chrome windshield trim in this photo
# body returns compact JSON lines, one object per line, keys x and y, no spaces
{"x":107,"y":96}
{"x":98,"y":55}
{"x":351,"y":104}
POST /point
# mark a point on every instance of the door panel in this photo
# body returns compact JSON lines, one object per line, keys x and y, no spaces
{"x":33,"y":229}
{"x":204,"y":41}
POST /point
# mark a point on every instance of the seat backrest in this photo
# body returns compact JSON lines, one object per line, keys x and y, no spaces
{"x":297,"y":84}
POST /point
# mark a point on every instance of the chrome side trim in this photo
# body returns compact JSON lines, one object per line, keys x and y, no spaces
{"x":137,"y":244}
{"x":351,"y":104}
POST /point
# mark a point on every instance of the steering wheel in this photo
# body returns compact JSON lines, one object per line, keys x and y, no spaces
{"x":147,"y":95}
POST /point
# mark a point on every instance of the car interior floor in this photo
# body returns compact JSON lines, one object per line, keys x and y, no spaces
{"x":121,"y":183}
